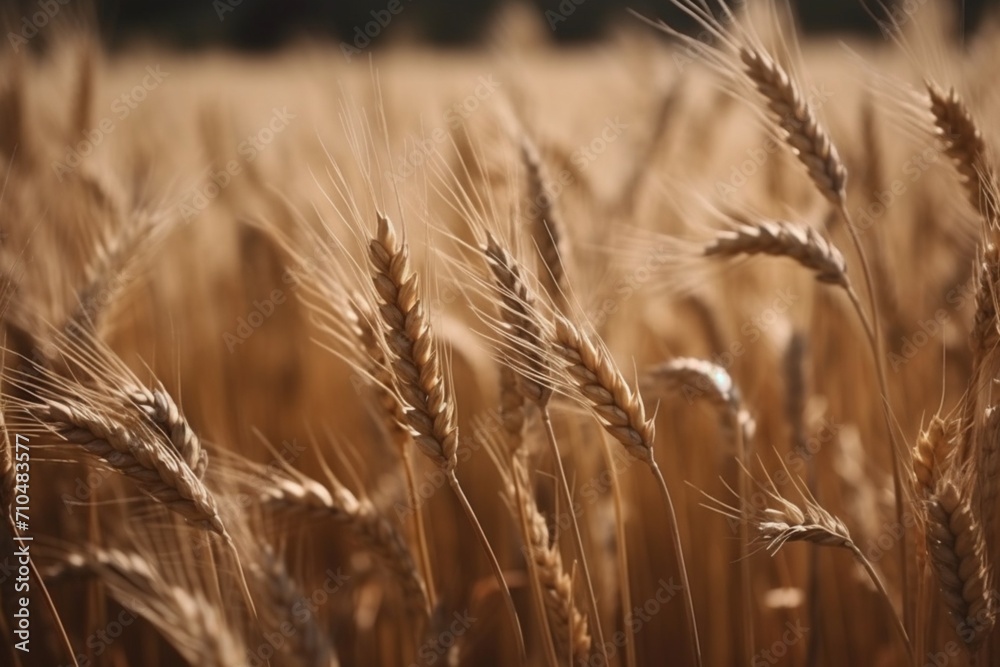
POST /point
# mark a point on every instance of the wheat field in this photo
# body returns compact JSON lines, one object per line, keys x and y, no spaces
{"x":677,"y":349}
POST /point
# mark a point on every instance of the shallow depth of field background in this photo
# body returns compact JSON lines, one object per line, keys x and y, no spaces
{"x":111,"y":113}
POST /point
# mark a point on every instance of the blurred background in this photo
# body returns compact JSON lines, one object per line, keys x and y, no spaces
{"x":267,"y":24}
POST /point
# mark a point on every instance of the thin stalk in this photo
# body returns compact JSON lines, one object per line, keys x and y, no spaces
{"x":497,"y":572}
{"x":675,"y":535}
{"x":568,"y":499}
{"x":418,"y":527}
{"x":875,"y":340}
{"x":52,"y":608}
{"x":747,"y":592}
{"x":877,"y":580}
{"x":625,"y":589}
{"x":243,"y":578}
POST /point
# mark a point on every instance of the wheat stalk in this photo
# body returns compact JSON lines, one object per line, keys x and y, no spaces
{"x":418,"y":377}
{"x":621,"y":412}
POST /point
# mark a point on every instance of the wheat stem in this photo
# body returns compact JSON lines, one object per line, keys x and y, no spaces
{"x":578,"y":539}
{"x":494,"y":564}
{"x":675,"y":535}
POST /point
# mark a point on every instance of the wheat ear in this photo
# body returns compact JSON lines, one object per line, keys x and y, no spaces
{"x":621,"y":412}
{"x":396,"y":418}
{"x":546,"y":226}
{"x":191,"y":623}
{"x":788,"y":522}
{"x":161,"y":410}
{"x":518,"y":312}
{"x":803,"y":245}
{"x":567,"y":626}
{"x":308,"y":643}
{"x":804,"y":134}
{"x":416,"y":366}
{"x":157,"y":470}
{"x":965,"y":146}
{"x":957,"y":552}
{"x":305,"y":496}
{"x":713,"y":383}
{"x":418,"y":377}
{"x":931,"y":456}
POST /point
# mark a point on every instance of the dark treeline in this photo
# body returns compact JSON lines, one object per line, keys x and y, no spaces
{"x":263,"y":24}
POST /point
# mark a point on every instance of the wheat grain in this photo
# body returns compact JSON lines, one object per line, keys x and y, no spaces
{"x":376,"y":533}
{"x":807,"y":138}
{"x":566,"y":623}
{"x":164,"y":414}
{"x":804,"y":245}
{"x":157,"y":470}
{"x":965,"y":146}
{"x":518,"y":313}
{"x":958,"y":554}
{"x":429,"y":411}
{"x":599,"y":381}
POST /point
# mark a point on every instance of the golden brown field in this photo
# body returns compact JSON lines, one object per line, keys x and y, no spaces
{"x":652,"y":352}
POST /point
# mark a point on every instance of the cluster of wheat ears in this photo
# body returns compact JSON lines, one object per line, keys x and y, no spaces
{"x":466,"y":364}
